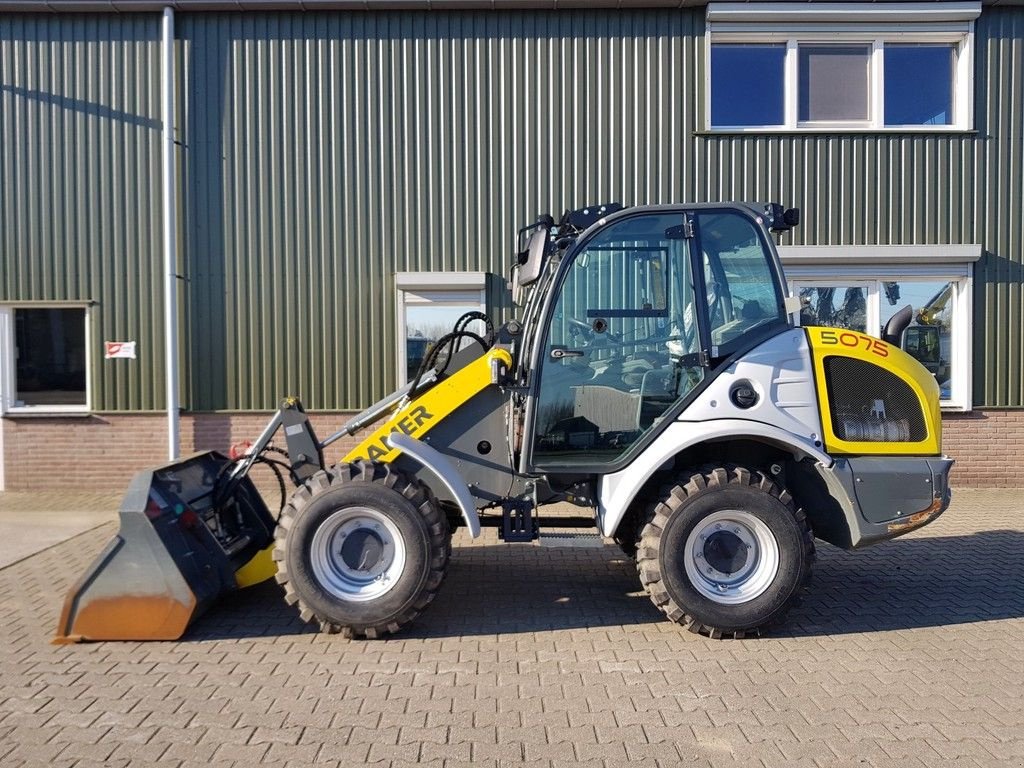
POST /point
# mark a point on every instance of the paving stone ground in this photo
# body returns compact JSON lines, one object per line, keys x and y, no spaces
{"x":32,"y":522}
{"x":907,"y":654}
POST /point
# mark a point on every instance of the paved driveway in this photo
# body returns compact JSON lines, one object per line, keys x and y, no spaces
{"x":908,"y":654}
{"x":32,"y":522}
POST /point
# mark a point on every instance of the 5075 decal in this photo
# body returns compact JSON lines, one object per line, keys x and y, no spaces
{"x":855,"y":341}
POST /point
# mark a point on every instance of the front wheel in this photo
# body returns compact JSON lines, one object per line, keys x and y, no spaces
{"x":361,"y":549}
{"x":725,"y":552}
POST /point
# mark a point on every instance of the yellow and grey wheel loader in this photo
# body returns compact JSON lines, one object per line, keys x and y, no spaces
{"x":653,"y":378}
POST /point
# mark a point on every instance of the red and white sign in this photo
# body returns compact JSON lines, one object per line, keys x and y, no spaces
{"x":112,"y":349}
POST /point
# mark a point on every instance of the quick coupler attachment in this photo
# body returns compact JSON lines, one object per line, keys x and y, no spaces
{"x":184,"y":534}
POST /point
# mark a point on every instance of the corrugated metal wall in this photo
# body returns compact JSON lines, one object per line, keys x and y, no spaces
{"x":321,"y":153}
{"x":79,"y":169}
{"x":994,"y":202}
{"x":328,"y":151}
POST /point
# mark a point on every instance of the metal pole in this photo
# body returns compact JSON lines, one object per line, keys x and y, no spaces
{"x":170,"y":201}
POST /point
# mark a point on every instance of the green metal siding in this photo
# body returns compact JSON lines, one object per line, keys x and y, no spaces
{"x":323,"y":152}
{"x":996,"y":203}
{"x":79,"y":184}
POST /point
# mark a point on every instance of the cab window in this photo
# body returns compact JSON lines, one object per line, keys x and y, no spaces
{"x":741,"y":291}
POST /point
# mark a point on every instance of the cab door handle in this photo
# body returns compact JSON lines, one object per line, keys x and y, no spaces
{"x":559,"y":353}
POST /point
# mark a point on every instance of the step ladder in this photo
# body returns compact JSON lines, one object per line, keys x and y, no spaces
{"x":573,"y":540}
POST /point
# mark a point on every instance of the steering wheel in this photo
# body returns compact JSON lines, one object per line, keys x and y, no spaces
{"x":588,"y":332}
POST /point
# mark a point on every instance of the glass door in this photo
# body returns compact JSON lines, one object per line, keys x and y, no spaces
{"x":621,"y":346}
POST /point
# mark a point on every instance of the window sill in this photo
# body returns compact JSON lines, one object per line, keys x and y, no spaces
{"x":48,"y":413}
{"x":840,"y":131}
{"x":954,"y":408}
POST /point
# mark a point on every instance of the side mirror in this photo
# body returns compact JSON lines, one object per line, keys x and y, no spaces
{"x":781,"y":219}
{"x":536,"y":250}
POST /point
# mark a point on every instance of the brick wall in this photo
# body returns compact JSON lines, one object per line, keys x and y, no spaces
{"x":988,"y":447}
{"x":103,"y":452}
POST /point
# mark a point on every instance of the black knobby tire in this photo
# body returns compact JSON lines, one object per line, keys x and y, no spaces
{"x":368,"y":494}
{"x":675,"y":529}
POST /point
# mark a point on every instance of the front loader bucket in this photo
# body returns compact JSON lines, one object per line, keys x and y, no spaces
{"x":185,"y":532}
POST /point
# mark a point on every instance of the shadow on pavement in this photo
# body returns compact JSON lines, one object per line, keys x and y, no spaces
{"x":914,"y":583}
{"x":512,"y":589}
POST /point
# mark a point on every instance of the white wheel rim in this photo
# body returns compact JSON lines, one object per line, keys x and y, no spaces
{"x":357,"y":554}
{"x":731,"y":557}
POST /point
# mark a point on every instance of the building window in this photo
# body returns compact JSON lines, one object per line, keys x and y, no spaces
{"x":739,"y":99}
{"x":782,"y":66}
{"x":919,"y":83}
{"x":935,"y":328}
{"x":833,"y":84}
{"x":862,"y":294}
{"x":429,"y":305}
{"x":45,"y":359}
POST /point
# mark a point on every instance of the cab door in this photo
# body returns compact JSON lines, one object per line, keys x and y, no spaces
{"x":643,"y":310}
{"x":620,"y":344}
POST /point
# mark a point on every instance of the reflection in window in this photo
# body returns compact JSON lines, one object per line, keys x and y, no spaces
{"x":426,"y":323}
{"x":867,"y":307}
{"x":834,"y":307}
{"x":919,"y":84}
{"x":747,"y":85}
{"x":51,"y":355}
{"x":929,"y":338}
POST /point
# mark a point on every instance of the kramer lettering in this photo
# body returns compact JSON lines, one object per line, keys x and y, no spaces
{"x":408,"y":425}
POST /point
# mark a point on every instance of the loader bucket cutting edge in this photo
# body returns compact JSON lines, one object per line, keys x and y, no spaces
{"x":180,"y":547}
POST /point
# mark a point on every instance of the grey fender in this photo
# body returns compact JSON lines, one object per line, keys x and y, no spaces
{"x":617,"y":490}
{"x":443,"y":469}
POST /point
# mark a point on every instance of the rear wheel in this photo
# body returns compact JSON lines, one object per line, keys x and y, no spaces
{"x":361,"y":549}
{"x":725,"y":553}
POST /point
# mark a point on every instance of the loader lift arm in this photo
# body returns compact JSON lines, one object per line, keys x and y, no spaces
{"x":305,"y":452}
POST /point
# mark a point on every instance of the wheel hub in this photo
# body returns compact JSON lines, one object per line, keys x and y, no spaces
{"x":357,"y":554}
{"x":363,"y":550}
{"x":731,"y":557}
{"x":725,"y":551}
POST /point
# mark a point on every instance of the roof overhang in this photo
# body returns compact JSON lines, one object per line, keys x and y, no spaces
{"x":842,"y":12}
{"x":879,"y":255}
{"x":130,"y":6}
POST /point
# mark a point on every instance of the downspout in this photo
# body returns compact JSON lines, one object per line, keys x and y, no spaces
{"x":170,"y":201}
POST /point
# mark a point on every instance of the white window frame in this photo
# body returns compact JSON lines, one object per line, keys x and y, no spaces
{"x":797,"y":24}
{"x":812,"y":266}
{"x":9,"y":365}
{"x":436,"y":289}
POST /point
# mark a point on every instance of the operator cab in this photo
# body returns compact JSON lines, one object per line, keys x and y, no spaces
{"x":633,"y":317}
